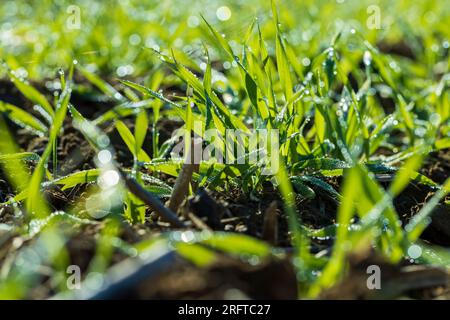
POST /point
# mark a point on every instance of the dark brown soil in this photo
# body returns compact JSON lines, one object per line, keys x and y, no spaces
{"x":437,"y":166}
{"x":226,"y":279}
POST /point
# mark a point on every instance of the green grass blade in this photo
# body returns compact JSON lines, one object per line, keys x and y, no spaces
{"x":130,"y":141}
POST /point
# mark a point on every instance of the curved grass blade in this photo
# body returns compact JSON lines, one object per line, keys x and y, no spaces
{"x":30,"y":92}
{"x":103,"y":86}
{"x":130,"y":141}
{"x":23,"y":118}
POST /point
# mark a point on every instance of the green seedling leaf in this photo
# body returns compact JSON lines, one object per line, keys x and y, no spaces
{"x":302,"y":189}
{"x":405,"y":113}
{"x":35,"y":203}
{"x":103,"y":86}
{"x":123,"y":110}
{"x":404,"y":175}
{"x":21,"y":156}
{"x":238,"y":244}
{"x":130,"y":141}
{"x":140,"y":130}
{"x":31,"y":93}
{"x":197,"y":254}
{"x":74,"y":179}
{"x":23,"y":118}
{"x":443,"y":143}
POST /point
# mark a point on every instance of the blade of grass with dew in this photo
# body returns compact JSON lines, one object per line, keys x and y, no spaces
{"x":298,"y":238}
{"x":123,"y":110}
{"x":19,"y":156}
{"x":345,"y":213}
{"x":135,"y":208}
{"x":130,"y":141}
{"x":14,"y":170}
{"x":74,"y":179}
{"x":197,"y":254}
{"x":140,"y":131}
{"x":30,"y":92}
{"x":148,"y":92}
{"x":403,"y":176}
{"x":281,"y":58}
{"x":35,"y":202}
{"x":23,"y":118}
{"x":237,"y":244}
{"x":103,"y":86}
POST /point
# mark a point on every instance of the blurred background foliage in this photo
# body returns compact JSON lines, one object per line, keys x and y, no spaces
{"x":36,"y":35}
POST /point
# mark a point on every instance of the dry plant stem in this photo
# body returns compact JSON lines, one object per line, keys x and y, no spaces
{"x":414,"y":278}
{"x":198,"y":222}
{"x":181,"y":187}
{"x":270,"y":228}
{"x":149,"y":199}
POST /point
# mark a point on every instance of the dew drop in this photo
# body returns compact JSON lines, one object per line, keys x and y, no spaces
{"x":414,"y":251}
{"x":223,"y":13}
{"x":104,"y":157}
{"x":109,"y":179}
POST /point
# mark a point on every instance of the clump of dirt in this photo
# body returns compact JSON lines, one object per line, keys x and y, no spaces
{"x":10,"y":94}
{"x":225,"y":279}
{"x":5,"y":189}
{"x":371,"y":276}
{"x":437,"y":166}
{"x":409,"y":202}
{"x":400,"y":48}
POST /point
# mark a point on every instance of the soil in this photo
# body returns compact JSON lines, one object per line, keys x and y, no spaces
{"x":437,"y":166}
